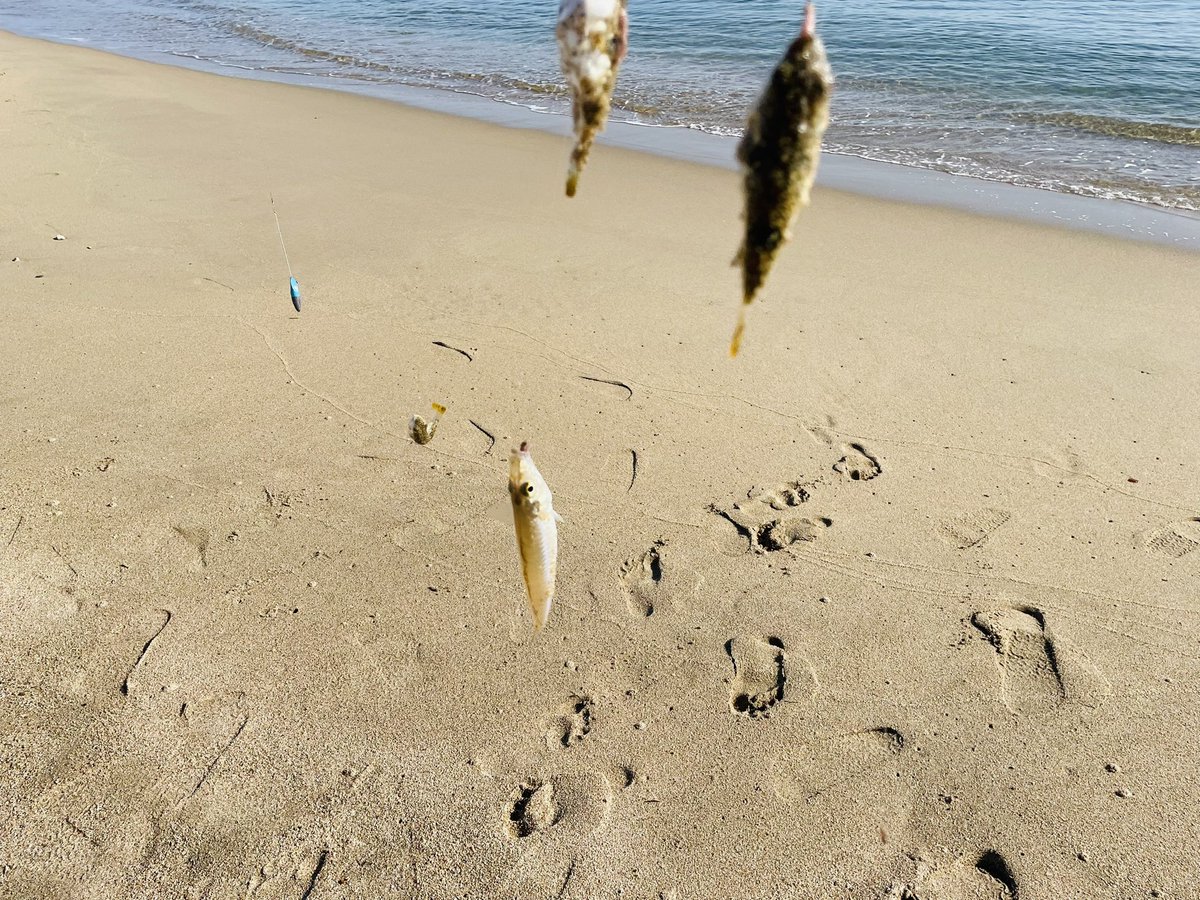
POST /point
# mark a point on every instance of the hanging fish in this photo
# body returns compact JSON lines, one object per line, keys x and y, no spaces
{"x":779,"y":155}
{"x":537,"y":532}
{"x":593,"y":36}
{"x":422,"y":431}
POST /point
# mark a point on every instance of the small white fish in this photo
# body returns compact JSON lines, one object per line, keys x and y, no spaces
{"x":537,"y":532}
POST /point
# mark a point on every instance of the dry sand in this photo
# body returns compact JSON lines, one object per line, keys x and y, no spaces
{"x":902,"y":600}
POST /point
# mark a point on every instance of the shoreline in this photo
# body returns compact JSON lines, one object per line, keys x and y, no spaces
{"x":1124,"y":219}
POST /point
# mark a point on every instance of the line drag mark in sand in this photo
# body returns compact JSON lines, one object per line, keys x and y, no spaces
{"x":215,"y":762}
{"x":66,"y":561}
{"x":214,"y":281}
{"x":619,"y":384}
{"x":316,"y":873}
{"x":288,"y":369}
{"x":146,"y":649}
{"x":12,"y":537}
{"x":633,"y":475}
{"x":487,"y":434}
{"x":446,"y":346}
{"x":567,"y":881}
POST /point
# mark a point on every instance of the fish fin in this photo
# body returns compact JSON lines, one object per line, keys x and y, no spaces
{"x":438,"y":408}
{"x":558,"y":518}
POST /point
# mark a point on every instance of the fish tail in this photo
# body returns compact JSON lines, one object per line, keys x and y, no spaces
{"x":541,"y":611}
{"x":736,"y":343}
{"x":579,"y":156}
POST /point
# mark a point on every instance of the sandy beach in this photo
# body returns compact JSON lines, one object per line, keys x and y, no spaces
{"x":901,"y":603}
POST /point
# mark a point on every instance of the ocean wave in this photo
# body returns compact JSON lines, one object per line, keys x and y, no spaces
{"x":1111,"y":126}
{"x":889,"y":120}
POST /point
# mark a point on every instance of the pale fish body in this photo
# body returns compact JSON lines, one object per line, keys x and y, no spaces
{"x":537,"y":532}
{"x":592,"y":39}
{"x":779,"y":154}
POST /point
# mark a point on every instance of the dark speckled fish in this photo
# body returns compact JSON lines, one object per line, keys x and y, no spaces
{"x":779,"y":155}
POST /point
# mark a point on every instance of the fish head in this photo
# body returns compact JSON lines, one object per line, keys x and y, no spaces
{"x":807,"y":43}
{"x":807,"y":53}
{"x":525,"y":483}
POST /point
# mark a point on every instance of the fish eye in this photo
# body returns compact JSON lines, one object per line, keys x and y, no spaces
{"x":527,"y":488}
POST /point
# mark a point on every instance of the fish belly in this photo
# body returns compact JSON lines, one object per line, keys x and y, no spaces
{"x":537,"y":539}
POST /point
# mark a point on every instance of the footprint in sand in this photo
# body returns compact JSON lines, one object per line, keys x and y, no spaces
{"x":782,"y":533}
{"x":642,"y":577}
{"x":973,"y":528}
{"x":785,"y":496}
{"x":765,"y":673}
{"x":572,"y":804}
{"x":532,"y":809}
{"x":980,"y":876}
{"x":1175,"y":540}
{"x":294,"y":872}
{"x":199,"y":539}
{"x":809,"y":771}
{"x":858,"y":464}
{"x":1039,"y":672}
{"x":572,"y":724}
{"x":756,"y":519}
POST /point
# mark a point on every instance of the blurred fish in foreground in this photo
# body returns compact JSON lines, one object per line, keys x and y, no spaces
{"x":779,"y":154}
{"x":593,"y":36}
{"x":537,"y":532}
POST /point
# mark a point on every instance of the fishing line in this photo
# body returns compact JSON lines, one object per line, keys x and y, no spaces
{"x":293,"y":284}
{"x":279,"y":229}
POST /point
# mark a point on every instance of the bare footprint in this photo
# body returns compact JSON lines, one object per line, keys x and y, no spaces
{"x":811,"y":770}
{"x":759,"y":675}
{"x":572,"y":724}
{"x":782,"y":533}
{"x":572,"y":804}
{"x":1175,"y":540}
{"x":785,"y":496}
{"x":982,"y":876}
{"x":295,"y":872}
{"x":532,"y":809}
{"x":973,"y":528}
{"x":765,"y":673}
{"x":642,"y":577}
{"x":764,"y":532}
{"x":757,"y":519}
{"x":1038,"y":671}
{"x":199,"y":538}
{"x":858,"y":464}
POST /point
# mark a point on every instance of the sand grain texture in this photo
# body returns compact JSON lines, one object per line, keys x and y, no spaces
{"x":256,"y":643}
